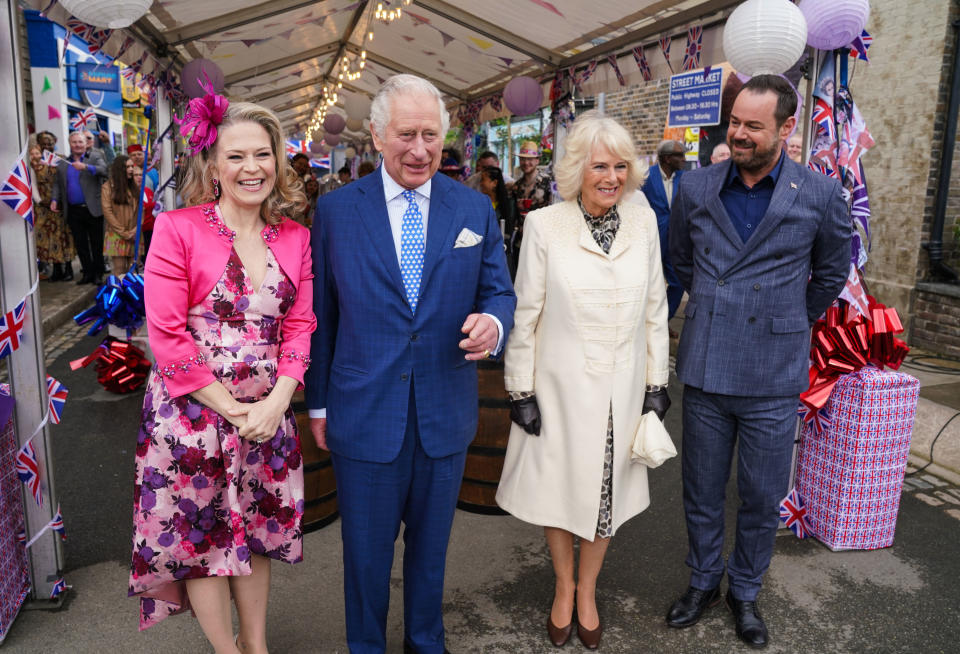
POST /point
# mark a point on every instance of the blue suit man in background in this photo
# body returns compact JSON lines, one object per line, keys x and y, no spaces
{"x":412,"y":289}
{"x":661,"y":186}
{"x":762,"y":247}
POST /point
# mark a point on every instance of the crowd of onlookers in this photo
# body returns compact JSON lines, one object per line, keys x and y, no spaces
{"x":85,"y":205}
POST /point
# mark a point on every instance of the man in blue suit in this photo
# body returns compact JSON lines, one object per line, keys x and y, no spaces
{"x":762,"y":247}
{"x":412,"y":289}
{"x":661,"y":186}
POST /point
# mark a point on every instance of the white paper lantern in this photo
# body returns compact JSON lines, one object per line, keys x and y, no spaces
{"x":357,"y":106}
{"x":764,"y":36}
{"x":113,"y":14}
{"x":833,"y":24}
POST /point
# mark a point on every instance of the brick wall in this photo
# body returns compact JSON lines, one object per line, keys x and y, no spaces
{"x":936,"y":322}
{"x":643,"y":111}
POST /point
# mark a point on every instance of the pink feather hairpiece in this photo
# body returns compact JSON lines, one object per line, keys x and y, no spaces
{"x":202,"y":117}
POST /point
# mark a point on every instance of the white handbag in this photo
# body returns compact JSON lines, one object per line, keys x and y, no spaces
{"x":652,"y":444}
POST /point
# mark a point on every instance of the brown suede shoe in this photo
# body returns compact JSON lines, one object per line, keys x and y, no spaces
{"x":590,"y":639}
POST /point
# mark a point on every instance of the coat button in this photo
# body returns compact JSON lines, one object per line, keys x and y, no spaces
{"x":756,"y":287}
{"x":404,"y":377}
{"x":751,"y":319}
{"x":720,"y":283}
{"x":414,"y":337}
{"x":706,"y":250}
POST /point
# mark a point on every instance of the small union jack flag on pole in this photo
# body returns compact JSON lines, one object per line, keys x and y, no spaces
{"x":81,"y":119}
{"x":29,"y":470}
{"x":11,"y":328}
{"x":642,"y":64}
{"x":49,"y":158}
{"x":17,"y":192}
{"x":794,"y":514}
{"x":58,"y":398}
{"x":57,"y":524}
{"x":58,"y":588}
{"x":860,"y":45}
{"x":691,"y":56}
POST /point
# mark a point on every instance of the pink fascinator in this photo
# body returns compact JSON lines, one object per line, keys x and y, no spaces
{"x":202,"y":117}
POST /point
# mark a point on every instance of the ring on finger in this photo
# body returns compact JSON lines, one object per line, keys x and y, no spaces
{"x":486,"y":354}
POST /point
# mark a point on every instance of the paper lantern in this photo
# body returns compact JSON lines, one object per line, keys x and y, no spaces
{"x":333,"y":124}
{"x":350,"y":153}
{"x":197,"y":71}
{"x":324,"y":148}
{"x":522,"y":95}
{"x":354,"y":124}
{"x":332,"y":139}
{"x":764,"y":36}
{"x":113,"y":14}
{"x":357,"y":106}
{"x":833,"y":24}
{"x":316,"y":147}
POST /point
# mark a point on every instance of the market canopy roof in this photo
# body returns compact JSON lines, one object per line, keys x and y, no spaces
{"x":281,"y":52}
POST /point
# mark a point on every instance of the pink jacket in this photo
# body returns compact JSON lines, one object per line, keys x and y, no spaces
{"x":188,"y":255}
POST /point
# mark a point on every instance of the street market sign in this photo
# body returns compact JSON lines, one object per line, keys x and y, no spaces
{"x":695,"y":98}
{"x":98,"y":77}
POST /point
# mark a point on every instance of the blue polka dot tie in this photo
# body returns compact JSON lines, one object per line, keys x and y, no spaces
{"x":411,"y":249}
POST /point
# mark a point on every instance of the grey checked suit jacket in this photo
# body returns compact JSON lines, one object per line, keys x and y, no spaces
{"x":89,"y":184}
{"x":750,"y":307}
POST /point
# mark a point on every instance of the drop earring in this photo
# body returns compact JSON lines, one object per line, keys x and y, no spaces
{"x":216,"y":188}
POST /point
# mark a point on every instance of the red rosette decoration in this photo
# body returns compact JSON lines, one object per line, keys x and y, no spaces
{"x":122,"y":367}
{"x":845,"y":341}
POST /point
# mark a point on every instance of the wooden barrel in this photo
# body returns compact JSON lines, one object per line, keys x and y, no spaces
{"x":485,"y":454}
{"x":319,"y":484}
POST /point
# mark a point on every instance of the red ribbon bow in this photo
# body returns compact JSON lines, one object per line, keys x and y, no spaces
{"x":121,"y":366}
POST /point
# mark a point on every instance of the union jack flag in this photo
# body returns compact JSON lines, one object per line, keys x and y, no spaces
{"x":59,"y":587}
{"x":579,"y":79}
{"x":138,"y":65}
{"x":49,"y":158}
{"x":794,"y":514}
{"x":823,"y":116}
{"x":97,"y":39}
{"x":17,"y":192}
{"x":691,"y":56}
{"x":81,"y":119}
{"x":80,"y":28}
{"x":127,"y":42}
{"x":642,"y":64}
{"x":665,"y":42}
{"x":297,"y":145}
{"x":29,"y":470}
{"x":612,"y":60}
{"x":322,"y":162}
{"x":818,"y":419}
{"x":860,"y":45}
{"x":11,"y":328}
{"x":58,"y":397}
{"x":128,"y":73}
{"x":57,"y":524}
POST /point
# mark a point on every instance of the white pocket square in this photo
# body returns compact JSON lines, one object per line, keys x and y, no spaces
{"x":467,"y":238}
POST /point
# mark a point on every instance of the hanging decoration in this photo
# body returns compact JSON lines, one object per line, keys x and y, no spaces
{"x":56,"y":399}
{"x":833,"y":24}
{"x":198,"y":74}
{"x":115,"y":14}
{"x":332,"y":139}
{"x":641,"y":59}
{"x":28,"y":470}
{"x":691,"y":54}
{"x":17,"y":190}
{"x":119,"y":303}
{"x":764,"y":36}
{"x":794,"y":514}
{"x":522,"y":95}
{"x":612,"y":60}
{"x":334,"y":124}
{"x":122,"y":367}
{"x":665,"y":42}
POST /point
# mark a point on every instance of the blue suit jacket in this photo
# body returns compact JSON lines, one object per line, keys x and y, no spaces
{"x":368,"y":347}
{"x":750,"y":307}
{"x":657,"y":195}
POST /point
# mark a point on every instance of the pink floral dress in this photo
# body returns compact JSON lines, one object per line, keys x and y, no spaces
{"x":206,"y":499}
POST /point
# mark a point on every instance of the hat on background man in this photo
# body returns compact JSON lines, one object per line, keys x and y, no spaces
{"x":134,"y":147}
{"x":529,"y":149}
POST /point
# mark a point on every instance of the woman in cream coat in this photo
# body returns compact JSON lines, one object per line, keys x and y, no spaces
{"x":587,"y":355}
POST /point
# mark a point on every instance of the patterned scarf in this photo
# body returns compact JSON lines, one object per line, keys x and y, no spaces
{"x":604,"y":228}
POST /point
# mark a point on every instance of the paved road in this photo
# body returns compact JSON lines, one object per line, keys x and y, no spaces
{"x":499,"y":584}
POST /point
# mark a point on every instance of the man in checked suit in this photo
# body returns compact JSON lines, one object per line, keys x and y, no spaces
{"x":660,"y":189}
{"x":762,"y":247}
{"x":412,"y":289}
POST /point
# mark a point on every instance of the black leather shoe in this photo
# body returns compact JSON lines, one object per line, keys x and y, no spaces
{"x":687,"y":610}
{"x":750,"y":626}
{"x":85,"y":279}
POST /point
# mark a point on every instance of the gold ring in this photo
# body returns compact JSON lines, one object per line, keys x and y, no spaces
{"x":486,"y":354}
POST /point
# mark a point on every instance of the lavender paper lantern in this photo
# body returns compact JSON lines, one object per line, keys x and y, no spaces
{"x":316,"y":147}
{"x":522,"y":95}
{"x":764,"y":36}
{"x":197,"y":71}
{"x":833,"y":24}
{"x":333,"y":124}
{"x":331,"y":139}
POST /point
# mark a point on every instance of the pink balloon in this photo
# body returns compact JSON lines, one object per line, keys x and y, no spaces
{"x":316,"y":147}
{"x":332,"y":139}
{"x":197,"y":71}
{"x":522,"y":95}
{"x":333,"y":124}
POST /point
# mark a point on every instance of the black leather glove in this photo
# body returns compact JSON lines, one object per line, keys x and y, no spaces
{"x":657,"y":401}
{"x":526,"y":413}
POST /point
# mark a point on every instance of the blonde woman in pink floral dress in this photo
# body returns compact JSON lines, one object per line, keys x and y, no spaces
{"x":219,"y":488}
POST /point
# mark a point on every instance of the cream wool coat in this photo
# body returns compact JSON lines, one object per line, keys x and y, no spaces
{"x":590,"y":329}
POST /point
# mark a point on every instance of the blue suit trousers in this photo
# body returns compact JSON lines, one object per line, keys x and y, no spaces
{"x":763,"y":430}
{"x":674,"y":287}
{"x":374,"y":498}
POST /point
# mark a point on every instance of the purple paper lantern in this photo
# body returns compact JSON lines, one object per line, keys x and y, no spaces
{"x":333,"y":124}
{"x":316,"y":147}
{"x":833,"y":24}
{"x":331,"y":139}
{"x":197,"y":71}
{"x":522,"y":95}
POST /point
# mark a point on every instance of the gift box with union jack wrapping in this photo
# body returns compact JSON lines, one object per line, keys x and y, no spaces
{"x":14,"y":578}
{"x":850,"y":475}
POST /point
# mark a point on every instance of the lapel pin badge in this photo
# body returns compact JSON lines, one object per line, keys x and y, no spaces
{"x":793,"y":185}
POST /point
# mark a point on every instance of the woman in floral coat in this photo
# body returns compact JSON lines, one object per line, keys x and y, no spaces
{"x":219,"y":488}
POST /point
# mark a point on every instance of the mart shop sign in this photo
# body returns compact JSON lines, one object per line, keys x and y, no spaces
{"x":695,"y":98}
{"x":94,"y":77}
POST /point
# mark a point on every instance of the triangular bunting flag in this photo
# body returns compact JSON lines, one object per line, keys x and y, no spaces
{"x":46,"y":84}
{"x":53,"y":113}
